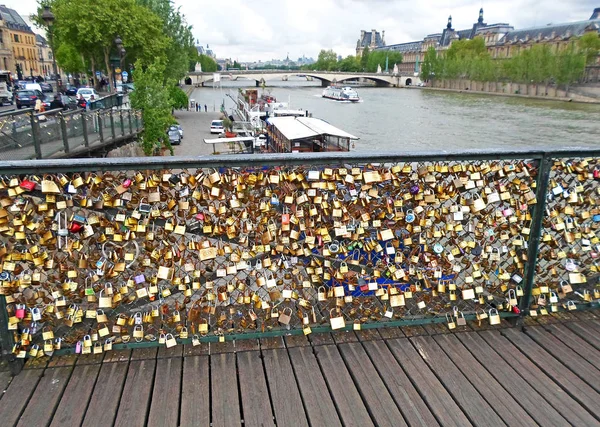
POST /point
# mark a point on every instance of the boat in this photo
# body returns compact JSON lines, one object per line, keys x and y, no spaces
{"x":338,"y":93}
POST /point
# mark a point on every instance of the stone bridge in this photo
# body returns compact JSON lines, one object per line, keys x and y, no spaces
{"x":326,"y":77}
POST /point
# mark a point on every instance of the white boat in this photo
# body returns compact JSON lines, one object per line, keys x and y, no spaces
{"x":338,"y":93}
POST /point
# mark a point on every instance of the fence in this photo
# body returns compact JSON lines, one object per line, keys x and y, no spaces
{"x":162,"y":251}
{"x":27,"y":135}
{"x":109,"y":101}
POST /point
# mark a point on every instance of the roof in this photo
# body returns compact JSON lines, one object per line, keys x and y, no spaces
{"x":294,"y":128}
{"x":403,"y":47}
{"x":13,"y":19}
{"x":546,"y":31}
{"x":367,"y":39}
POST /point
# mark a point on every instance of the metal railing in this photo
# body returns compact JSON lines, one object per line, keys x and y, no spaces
{"x":28,"y":135}
{"x":131,"y":252}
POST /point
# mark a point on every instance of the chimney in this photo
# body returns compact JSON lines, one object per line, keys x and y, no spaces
{"x":383,"y":37}
{"x":362,"y":35}
{"x":595,"y":14}
{"x":373,"y":35}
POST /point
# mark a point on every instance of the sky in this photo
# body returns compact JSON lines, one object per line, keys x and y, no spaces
{"x":252,"y":30}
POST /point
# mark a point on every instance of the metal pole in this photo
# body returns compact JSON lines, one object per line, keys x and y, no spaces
{"x":7,"y":340}
{"x":112,"y":125}
{"x":63,"y":131}
{"x":86,"y":139}
{"x":122,"y":123}
{"x":35,"y":133}
{"x":100,"y":127}
{"x":130,"y":123}
{"x":543,"y":178}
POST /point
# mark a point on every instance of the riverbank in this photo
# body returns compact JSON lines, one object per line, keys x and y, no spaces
{"x":515,"y":90}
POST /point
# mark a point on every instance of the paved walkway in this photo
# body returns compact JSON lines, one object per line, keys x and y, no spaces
{"x":548,"y":375}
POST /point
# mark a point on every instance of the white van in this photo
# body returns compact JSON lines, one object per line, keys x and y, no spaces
{"x":216,"y":126}
{"x":33,"y":86}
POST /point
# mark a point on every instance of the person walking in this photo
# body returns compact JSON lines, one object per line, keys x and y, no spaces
{"x":205,"y":108}
{"x":197,"y":107}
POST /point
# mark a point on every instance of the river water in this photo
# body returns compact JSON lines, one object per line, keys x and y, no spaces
{"x":391,"y":119}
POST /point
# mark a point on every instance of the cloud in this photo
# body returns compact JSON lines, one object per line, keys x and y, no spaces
{"x":249,"y":30}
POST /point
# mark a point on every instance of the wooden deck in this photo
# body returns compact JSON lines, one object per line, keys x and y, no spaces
{"x":548,"y":375}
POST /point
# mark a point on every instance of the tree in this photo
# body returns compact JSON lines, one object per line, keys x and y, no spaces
{"x":429,"y":64}
{"x":349,"y":64}
{"x":178,"y":97}
{"x":589,"y":45}
{"x":326,"y":61}
{"x":236,"y":65}
{"x":379,"y":57}
{"x":208,"y":64}
{"x":152,"y":98}
{"x":364,"y":58}
{"x":69,"y":59}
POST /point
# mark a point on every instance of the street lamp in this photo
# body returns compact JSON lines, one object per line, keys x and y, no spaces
{"x":48,"y":18}
{"x":121,"y":50}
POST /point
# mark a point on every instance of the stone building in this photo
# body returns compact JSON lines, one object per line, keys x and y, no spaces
{"x":372,"y":40}
{"x":501,"y":39}
{"x":23,"y":43}
{"x":45,"y":56}
{"x":7,"y":62}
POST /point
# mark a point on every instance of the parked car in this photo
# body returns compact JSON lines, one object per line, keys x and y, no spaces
{"x":33,"y":86}
{"x":27,"y":98}
{"x":86,"y":93}
{"x":216,"y":126}
{"x":69,"y":101}
{"x":179,"y":129}
{"x":174,"y":136}
{"x":46,"y":87}
{"x":71,"y":91}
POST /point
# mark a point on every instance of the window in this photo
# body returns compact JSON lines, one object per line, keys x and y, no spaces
{"x":1,"y":39}
{"x":17,"y":38}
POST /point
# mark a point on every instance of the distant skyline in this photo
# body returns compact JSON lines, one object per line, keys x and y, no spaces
{"x":269,"y":29}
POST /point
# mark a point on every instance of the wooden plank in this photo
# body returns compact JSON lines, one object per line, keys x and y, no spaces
{"x":585,"y":332}
{"x":74,"y":402}
{"x":570,"y":382}
{"x":65,"y":360}
{"x":539,"y":406}
{"x":490,"y":389}
{"x":135,"y":399}
{"x":195,"y":392}
{"x":429,"y":387}
{"x":164,"y":352}
{"x":532,"y":375}
{"x":577,"y":344}
{"x":106,"y":396}
{"x":296,"y":341}
{"x":368,"y":335}
{"x":345,"y":336}
{"x":285,"y":397}
{"x":346,"y":398}
{"x":202,"y":349}
{"x":320,"y":410}
{"x":164,"y":409}
{"x":389,"y":333}
{"x":224,"y":391}
{"x":467,"y":396}
{"x":144,"y":353}
{"x":271,"y":343}
{"x":413,"y":331}
{"x":373,"y":390}
{"x":90,"y":359}
{"x":117,"y":356}
{"x":247,"y":345}
{"x":412,"y":406}
{"x":321,"y":339}
{"x":45,"y":399}
{"x":581,"y":367}
{"x":5,"y":379}
{"x":253,"y":389}
{"x":17,"y":395}
{"x":222,"y":347}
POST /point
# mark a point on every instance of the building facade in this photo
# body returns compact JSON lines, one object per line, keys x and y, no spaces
{"x":23,"y":44}
{"x":45,"y":57}
{"x":7,"y":62}
{"x":501,"y":39}
{"x":371,"y":39}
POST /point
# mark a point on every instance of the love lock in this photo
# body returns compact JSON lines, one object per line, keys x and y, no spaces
{"x":135,"y":244}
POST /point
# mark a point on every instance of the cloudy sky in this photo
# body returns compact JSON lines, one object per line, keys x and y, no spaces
{"x":249,"y":30}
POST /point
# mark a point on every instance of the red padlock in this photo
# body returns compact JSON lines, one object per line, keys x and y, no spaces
{"x":20,"y":313}
{"x":516,"y":309}
{"x":597,"y":173}
{"x":200,"y":217}
{"x":27,"y":185}
{"x":126,"y":183}
{"x":285,"y":219}
{"x":75,"y":227}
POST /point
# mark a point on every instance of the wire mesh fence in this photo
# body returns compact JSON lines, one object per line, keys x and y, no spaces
{"x":180,"y":255}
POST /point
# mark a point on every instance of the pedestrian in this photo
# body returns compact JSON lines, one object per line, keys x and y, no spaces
{"x":205,"y":108}
{"x":197,"y":108}
{"x":57,"y":103}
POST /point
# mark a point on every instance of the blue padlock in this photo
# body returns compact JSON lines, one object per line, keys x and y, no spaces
{"x":596,"y":218}
{"x":410,"y":216}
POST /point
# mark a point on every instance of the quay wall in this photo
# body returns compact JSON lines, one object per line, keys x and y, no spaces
{"x":535,"y":91}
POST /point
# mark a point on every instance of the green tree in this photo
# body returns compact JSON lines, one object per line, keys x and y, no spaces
{"x":326,"y":61}
{"x":151,"y":96}
{"x":570,"y":66}
{"x":236,"y":65}
{"x":178,"y":97}
{"x":430,"y":64}
{"x":378,"y":58}
{"x":349,"y":64}
{"x":69,"y":59}
{"x":208,"y":64}
{"x":589,"y":45}
{"x":364,"y":58}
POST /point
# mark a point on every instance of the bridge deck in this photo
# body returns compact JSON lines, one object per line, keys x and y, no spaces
{"x":547,"y":375}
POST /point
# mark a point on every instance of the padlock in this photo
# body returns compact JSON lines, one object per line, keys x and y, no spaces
{"x":286,"y":316}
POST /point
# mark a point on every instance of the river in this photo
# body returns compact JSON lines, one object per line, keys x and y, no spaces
{"x":397,"y":119}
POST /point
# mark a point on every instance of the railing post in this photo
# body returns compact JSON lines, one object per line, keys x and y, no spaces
{"x":543,"y":177}
{"x":86,"y":139}
{"x":112,"y":125}
{"x":122,"y":123}
{"x":100,"y":128}
{"x":63,"y":131}
{"x":130,"y":122}
{"x":35,"y":133}
{"x":6,"y":340}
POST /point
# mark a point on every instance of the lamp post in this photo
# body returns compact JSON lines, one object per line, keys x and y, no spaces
{"x":48,"y":18}
{"x":122,"y":52}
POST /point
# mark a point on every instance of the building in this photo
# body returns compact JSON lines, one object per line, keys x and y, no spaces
{"x":25,"y":50}
{"x":45,"y":56}
{"x":372,"y":40}
{"x":501,"y":39}
{"x":7,"y":62}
